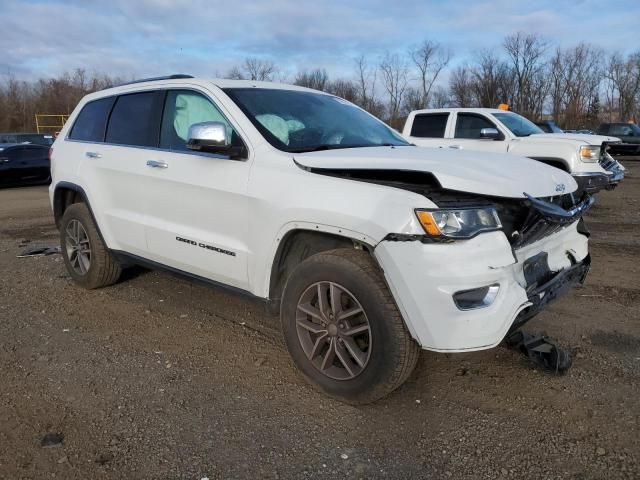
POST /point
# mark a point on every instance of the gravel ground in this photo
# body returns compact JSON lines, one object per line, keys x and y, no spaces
{"x":156,"y":377}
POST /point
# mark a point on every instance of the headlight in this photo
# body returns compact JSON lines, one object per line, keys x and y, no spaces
{"x":459,"y":223}
{"x":590,"y":153}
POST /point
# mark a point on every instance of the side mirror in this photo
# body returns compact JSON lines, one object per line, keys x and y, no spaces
{"x":211,"y":137}
{"x":489,"y":133}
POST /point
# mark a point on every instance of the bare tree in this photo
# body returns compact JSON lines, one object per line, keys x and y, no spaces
{"x":461,"y":87}
{"x":394,"y":74}
{"x":430,"y":58}
{"x":366,"y":81}
{"x":492,"y":80}
{"x":260,"y":70}
{"x":316,"y":79}
{"x":623,"y":86}
{"x":526,"y":57}
{"x":345,"y":89}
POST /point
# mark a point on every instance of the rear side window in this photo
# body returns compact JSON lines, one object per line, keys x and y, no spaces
{"x":92,"y":121}
{"x":135,"y":120}
{"x":469,"y":126}
{"x":432,"y":125}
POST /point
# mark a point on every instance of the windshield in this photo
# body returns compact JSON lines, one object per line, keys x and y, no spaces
{"x":519,"y":126}
{"x":299,"y":121}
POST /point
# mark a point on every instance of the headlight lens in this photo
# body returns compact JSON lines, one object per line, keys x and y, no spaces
{"x":590,"y":153}
{"x":459,"y":223}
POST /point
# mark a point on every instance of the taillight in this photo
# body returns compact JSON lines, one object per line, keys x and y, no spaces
{"x":50,"y":153}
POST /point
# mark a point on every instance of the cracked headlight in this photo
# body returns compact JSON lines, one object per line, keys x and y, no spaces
{"x":459,"y":223}
{"x":590,"y":153}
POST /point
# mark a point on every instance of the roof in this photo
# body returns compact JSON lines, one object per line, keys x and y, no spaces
{"x":471,"y":110}
{"x":218,"y":82}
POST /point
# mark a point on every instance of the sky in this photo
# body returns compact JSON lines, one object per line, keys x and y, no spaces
{"x":141,"y":38}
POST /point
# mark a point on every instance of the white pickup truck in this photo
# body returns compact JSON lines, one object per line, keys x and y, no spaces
{"x":492,"y":130}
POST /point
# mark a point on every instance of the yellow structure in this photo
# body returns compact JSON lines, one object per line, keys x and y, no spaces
{"x":46,"y":123}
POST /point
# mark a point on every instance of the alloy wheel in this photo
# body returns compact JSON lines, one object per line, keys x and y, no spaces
{"x":78,"y":247}
{"x":333,"y":330}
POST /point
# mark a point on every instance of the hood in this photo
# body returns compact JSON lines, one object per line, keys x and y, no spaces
{"x":493,"y":174}
{"x":580,"y":137}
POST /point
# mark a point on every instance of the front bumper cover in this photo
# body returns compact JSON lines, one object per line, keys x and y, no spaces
{"x":423,"y":277}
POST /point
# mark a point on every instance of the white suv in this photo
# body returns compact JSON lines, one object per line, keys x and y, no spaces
{"x":370,"y":247}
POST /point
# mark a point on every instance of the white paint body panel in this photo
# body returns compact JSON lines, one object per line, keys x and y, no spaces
{"x":247,"y":207}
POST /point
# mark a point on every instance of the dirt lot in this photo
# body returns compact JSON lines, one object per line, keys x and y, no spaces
{"x":159,"y":378}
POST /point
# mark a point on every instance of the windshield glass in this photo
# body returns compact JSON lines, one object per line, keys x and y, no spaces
{"x":519,"y":126}
{"x":635,"y":128}
{"x":299,"y":121}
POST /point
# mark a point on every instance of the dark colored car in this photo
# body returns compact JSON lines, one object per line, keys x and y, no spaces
{"x":24,"y":164}
{"x":33,"y":138}
{"x":549,"y":126}
{"x":628,"y":133}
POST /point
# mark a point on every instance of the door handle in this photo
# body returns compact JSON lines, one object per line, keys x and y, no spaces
{"x":156,"y":164}
{"x":456,"y":147}
{"x":93,"y":155}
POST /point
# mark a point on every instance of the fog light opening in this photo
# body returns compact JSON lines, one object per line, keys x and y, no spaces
{"x":476,"y":298}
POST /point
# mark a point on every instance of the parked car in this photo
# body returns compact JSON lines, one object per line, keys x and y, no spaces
{"x":491,"y":130}
{"x":22,"y":164}
{"x":549,"y":126}
{"x":628,"y":133}
{"x":34,"y":138}
{"x":370,"y":248}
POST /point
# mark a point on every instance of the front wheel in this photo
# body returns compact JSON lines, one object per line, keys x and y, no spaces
{"x":343,"y":329}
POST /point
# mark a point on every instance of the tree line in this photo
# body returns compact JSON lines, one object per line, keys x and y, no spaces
{"x":577,"y":87}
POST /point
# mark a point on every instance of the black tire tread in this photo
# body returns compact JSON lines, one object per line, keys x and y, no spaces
{"x":409,"y":350}
{"x":105,"y":270}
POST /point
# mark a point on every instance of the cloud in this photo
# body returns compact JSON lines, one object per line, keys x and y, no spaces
{"x":204,"y":37}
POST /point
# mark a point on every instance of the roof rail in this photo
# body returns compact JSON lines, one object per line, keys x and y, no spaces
{"x":151,"y":79}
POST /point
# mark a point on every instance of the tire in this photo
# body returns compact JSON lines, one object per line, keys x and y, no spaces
{"x":386,"y":352}
{"x":102,"y":268}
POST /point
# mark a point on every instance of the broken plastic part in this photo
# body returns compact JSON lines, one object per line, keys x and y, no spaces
{"x":541,"y":350}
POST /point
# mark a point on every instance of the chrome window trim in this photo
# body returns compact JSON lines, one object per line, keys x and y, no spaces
{"x":158,"y":149}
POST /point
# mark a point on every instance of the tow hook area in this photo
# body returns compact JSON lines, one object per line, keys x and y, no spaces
{"x":541,"y":350}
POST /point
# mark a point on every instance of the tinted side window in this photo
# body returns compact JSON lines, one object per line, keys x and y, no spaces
{"x":92,"y":121}
{"x":135,"y":120}
{"x":432,"y":125}
{"x":182,"y":109}
{"x":469,"y":125}
{"x":619,"y":129}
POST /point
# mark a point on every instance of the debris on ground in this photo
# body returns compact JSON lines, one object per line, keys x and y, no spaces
{"x":52,"y":439}
{"x":39,"y":251}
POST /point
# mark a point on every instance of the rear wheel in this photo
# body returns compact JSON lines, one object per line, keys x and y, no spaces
{"x":87,"y":259}
{"x":343,"y":329}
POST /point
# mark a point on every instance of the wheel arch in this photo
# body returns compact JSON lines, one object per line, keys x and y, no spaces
{"x":67,"y":193}
{"x":302,"y":241}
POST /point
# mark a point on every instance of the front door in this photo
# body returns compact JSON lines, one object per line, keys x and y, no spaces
{"x":466,"y":134}
{"x":198,"y":206}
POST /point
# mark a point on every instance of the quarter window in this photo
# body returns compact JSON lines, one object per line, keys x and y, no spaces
{"x":184,"y":108}
{"x":469,"y":126}
{"x":431,"y":125}
{"x":135,"y":120}
{"x":92,"y":121}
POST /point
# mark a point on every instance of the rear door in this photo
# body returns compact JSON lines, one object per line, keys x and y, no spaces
{"x":465,"y":134}
{"x":428,"y":129}
{"x":199,"y":209}
{"x":115,"y":171}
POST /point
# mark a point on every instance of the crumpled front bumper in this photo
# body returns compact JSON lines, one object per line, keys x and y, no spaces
{"x":592,"y":182}
{"x":423,"y":277}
